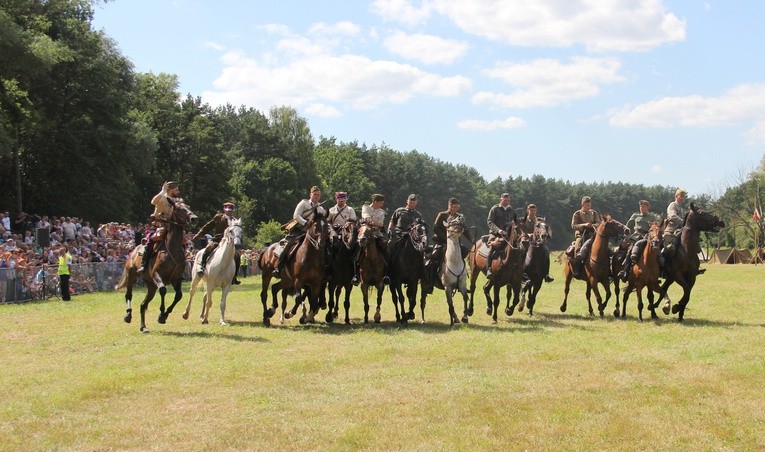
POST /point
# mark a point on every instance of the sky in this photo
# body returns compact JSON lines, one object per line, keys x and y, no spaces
{"x":650,"y":92}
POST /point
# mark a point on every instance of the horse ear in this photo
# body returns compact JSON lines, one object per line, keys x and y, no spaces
{"x":694,"y":208}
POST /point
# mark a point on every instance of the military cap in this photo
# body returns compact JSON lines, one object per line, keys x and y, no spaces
{"x":505,"y":195}
{"x":412,"y":197}
{"x":643,"y":202}
{"x":586,"y":199}
{"x":228,"y":206}
{"x":341,"y":195}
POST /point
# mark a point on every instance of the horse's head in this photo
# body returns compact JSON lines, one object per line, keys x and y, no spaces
{"x":701,"y":220}
{"x":235,"y":233}
{"x":418,"y":235}
{"x":611,"y":228}
{"x":366,"y":233}
{"x":542,"y":233}
{"x":455,"y":225}
{"x":182,"y":215}
{"x":348,"y":234}
{"x":654,"y":236}
{"x":317,"y":228}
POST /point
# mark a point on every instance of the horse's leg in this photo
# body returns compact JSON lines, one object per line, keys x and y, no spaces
{"x":516,"y":289}
{"x":495,"y":303}
{"x":567,"y":285}
{"x":639,"y":295}
{"x":411,"y":294}
{"x":192,"y":291}
{"x":267,"y":314}
{"x":129,"y":300}
{"x":151,"y":289}
{"x":282,"y":312}
{"x":380,"y":290}
{"x":347,"y":303}
{"x":423,"y":302}
{"x":207,"y":305}
{"x":365,"y":296}
{"x":449,"y":301}
{"x":679,"y":307}
{"x":177,"y":295}
{"x":299,"y":297}
{"x":226,"y":289}
{"x":487,"y":287}
{"x":331,"y":304}
{"x":630,"y":287}
{"x":397,"y":295}
{"x":466,"y":313}
{"x":665,"y":295}
{"x":162,"y":315}
{"x":588,"y":295}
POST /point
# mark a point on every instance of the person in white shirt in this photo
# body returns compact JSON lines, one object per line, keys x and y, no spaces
{"x":303,"y":213}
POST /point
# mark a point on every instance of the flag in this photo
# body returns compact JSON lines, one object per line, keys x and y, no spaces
{"x":756,"y":215}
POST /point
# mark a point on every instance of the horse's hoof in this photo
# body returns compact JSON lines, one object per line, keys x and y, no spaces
{"x":162,"y":319}
{"x":348,"y":322}
{"x":287,"y":315}
{"x":494,"y":321}
{"x":665,"y":310}
{"x":377,"y":317}
{"x":185,"y":316}
{"x":465,"y":318}
{"x":223,"y":323}
{"x":602,"y":314}
{"x":508,"y":312}
{"x":616,"y":313}
{"x":411,"y":315}
{"x":128,"y":318}
{"x":676,"y":308}
{"x":266,"y":321}
{"x":563,"y":308}
{"x":489,"y":310}
{"x":329,"y":317}
{"x":303,"y":320}
{"x":269,"y":313}
{"x":144,"y":330}
{"x":469,"y":311}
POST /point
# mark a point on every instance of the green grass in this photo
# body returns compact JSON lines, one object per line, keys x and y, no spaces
{"x":75,"y":376}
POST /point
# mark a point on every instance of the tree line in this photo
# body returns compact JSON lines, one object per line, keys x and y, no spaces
{"x":82,"y":133}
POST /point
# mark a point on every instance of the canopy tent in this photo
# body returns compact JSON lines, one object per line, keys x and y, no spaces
{"x":731,"y":256}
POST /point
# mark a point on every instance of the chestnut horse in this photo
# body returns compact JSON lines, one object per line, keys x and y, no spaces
{"x":341,"y":271}
{"x":645,"y":273}
{"x":507,"y":270}
{"x":371,"y":269}
{"x":407,"y":267}
{"x":536,"y":265}
{"x":683,"y":266}
{"x":597,"y":266}
{"x":166,"y":267}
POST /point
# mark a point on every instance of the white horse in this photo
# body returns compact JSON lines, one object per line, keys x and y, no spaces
{"x":219,"y":271}
{"x":453,"y":270}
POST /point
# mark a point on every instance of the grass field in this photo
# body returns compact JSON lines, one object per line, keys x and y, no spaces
{"x":75,"y":376}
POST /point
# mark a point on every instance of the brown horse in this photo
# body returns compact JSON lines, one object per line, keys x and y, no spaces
{"x":683,"y":266}
{"x":407,"y":268}
{"x":166,"y":267}
{"x":371,"y":269}
{"x":645,"y":273}
{"x":341,"y":270}
{"x":507,"y":270}
{"x":597,"y":266}
{"x":269,"y":258}
{"x":536,"y":264}
{"x":302,"y":276}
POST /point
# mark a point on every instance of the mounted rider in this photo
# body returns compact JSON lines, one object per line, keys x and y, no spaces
{"x":583,"y":222}
{"x":675,"y":222}
{"x":640,"y":223}
{"x":439,"y":242}
{"x":340,"y":214}
{"x":500,"y":217}
{"x":163,"y":203}
{"x":373,"y":216}
{"x":217,"y":227}
{"x":528,"y":224}
{"x":296,"y":228}
{"x":401,"y":221}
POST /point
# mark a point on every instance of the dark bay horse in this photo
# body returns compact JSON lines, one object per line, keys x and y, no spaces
{"x":166,"y":267}
{"x":683,"y":267}
{"x":371,"y":269}
{"x":507,"y":270}
{"x":341,"y":270}
{"x":597,"y":267}
{"x":644,"y":274}
{"x":407,"y":268}
{"x":536,"y":264}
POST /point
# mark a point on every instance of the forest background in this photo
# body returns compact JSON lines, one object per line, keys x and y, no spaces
{"x":83,"y":134}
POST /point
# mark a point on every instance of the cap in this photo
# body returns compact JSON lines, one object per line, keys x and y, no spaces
{"x":341,"y":195}
{"x":643,"y":202}
{"x":680,"y":191}
{"x":378,"y":197}
{"x":454,"y":201}
{"x":412,"y":197}
{"x":586,"y":199}
{"x":505,"y":195}
{"x":228,"y":206}
{"x":531,"y":206}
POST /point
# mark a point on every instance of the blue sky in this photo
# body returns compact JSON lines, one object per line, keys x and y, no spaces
{"x":649,"y":92}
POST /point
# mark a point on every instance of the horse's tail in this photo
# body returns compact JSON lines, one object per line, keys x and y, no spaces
{"x":123,"y":281}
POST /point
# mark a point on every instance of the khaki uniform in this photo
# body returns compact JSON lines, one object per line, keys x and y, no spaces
{"x":499,"y":218}
{"x":640,"y":224}
{"x":675,"y":222}
{"x":579,"y":222}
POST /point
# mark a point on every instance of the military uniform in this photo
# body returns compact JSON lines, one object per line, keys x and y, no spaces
{"x":499,"y":218}
{"x":528,"y":225}
{"x":403,"y":218}
{"x":303,"y":213}
{"x":339,"y":216}
{"x":579,"y":222}
{"x":217,"y":227}
{"x":640,"y":224}
{"x":163,"y":211}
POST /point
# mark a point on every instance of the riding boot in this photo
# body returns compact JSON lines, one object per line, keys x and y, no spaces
{"x":203,"y":264}
{"x":236,"y":271}
{"x":145,"y":258}
{"x":488,"y":263}
{"x":282,"y":262}
{"x":625,"y":273}
{"x":577,"y":265}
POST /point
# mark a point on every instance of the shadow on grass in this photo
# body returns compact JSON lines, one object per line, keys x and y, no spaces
{"x":212,"y":335}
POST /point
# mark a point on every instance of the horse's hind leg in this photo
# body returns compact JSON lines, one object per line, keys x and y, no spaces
{"x":380,"y":290}
{"x":129,"y":302}
{"x":178,"y":294}
{"x":347,"y":304}
{"x":226,"y":289}
{"x":150,"y":291}
{"x":162,"y":292}
{"x":192,"y":291}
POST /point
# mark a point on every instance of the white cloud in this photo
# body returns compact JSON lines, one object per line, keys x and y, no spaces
{"x":322,"y":110}
{"x":547,"y":82}
{"x":477,"y":124}
{"x":401,"y":11}
{"x":739,"y":105}
{"x":756,"y":135}
{"x":214,"y":46}
{"x":343,"y":28}
{"x":352,"y":80}
{"x":599,"y":25}
{"x":427,"y":49}
{"x":657,"y":169}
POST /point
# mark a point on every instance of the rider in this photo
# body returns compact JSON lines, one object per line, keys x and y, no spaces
{"x":217,"y":226}
{"x":499,"y":219}
{"x":528,"y":224}
{"x":402,"y":220}
{"x":640,"y":223}
{"x":297,"y":226}
{"x":339,"y":214}
{"x":675,"y":222}
{"x":374,"y":216}
{"x":163,"y":203}
{"x":583,"y":223}
{"x":439,"y":242}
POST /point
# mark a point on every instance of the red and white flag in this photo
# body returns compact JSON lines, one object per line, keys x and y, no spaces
{"x":756,"y":215}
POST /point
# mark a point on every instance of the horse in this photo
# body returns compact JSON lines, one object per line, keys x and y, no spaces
{"x":267,"y":262}
{"x":218,"y":273}
{"x":166,"y":267}
{"x":645,"y":273}
{"x":507,"y":270}
{"x":371,"y":269}
{"x":597,"y":267}
{"x":341,"y":271}
{"x":453,"y":270}
{"x":683,"y":267}
{"x":536,"y":264}
{"x":407,"y":267}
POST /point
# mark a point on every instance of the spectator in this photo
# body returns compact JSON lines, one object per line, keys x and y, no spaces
{"x":69,"y":229}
